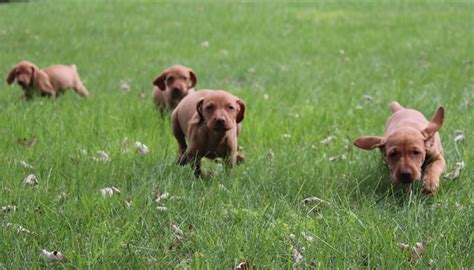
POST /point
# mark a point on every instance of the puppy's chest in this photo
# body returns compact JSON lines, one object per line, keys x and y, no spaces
{"x":215,"y":147}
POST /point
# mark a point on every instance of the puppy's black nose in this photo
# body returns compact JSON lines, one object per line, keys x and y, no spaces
{"x":405,"y":177}
{"x":175,"y":92}
{"x":220,"y":121}
{"x":21,"y":83}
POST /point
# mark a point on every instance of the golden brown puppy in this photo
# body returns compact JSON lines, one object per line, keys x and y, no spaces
{"x":410,"y":143}
{"x":172,"y":85}
{"x":210,"y":122}
{"x":50,"y":81}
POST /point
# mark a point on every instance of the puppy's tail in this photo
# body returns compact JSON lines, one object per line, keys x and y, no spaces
{"x":395,"y":106}
{"x":74,"y":67}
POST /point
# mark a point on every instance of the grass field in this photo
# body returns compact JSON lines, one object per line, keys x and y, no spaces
{"x":306,"y":71}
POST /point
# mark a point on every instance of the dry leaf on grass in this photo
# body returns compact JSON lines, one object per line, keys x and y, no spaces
{"x":459,"y":136}
{"x":27,"y":142}
{"x":8,"y":209}
{"x":124,"y":87}
{"x":337,"y":158}
{"x":159,"y":196}
{"x":456,"y":171}
{"x":328,"y":139}
{"x":313,"y":201}
{"x":102,"y":156}
{"x":141,"y":148}
{"x":308,"y":238}
{"x":162,"y":209}
{"x":205,"y":44}
{"x":54,"y":256}
{"x":25,"y":165}
{"x":109,"y":191}
{"x":30,"y":180}
{"x":245,"y":265}
{"x":297,"y":256}
{"x":367,"y":97}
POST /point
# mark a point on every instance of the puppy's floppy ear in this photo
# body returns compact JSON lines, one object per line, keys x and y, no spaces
{"x":160,"y":80}
{"x":240,"y":114}
{"x":193,"y":78}
{"x":11,"y":76}
{"x":40,"y":79}
{"x":369,"y":142}
{"x":199,"y":109}
{"x":435,"y":124}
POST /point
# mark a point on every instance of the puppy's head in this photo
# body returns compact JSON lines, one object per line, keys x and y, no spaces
{"x":405,"y":149}
{"x":177,"y":80}
{"x":23,"y":73}
{"x":220,"y":111}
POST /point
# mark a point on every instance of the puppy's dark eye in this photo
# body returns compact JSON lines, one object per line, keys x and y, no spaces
{"x":170,"y":79}
{"x":416,"y":152}
{"x":209,"y":107}
{"x":231,"y":108}
{"x":183,"y":78}
{"x":393,"y":155}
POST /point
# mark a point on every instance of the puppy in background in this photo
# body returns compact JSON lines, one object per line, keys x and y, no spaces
{"x":210,"y":122}
{"x":172,"y":85}
{"x":50,"y":81}
{"x":410,"y":144}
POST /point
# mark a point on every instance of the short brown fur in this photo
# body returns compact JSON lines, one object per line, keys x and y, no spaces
{"x":210,"y":122}
{"x":172,"y":85}
{"x":50,"y":81}
{"x":410,"y":144}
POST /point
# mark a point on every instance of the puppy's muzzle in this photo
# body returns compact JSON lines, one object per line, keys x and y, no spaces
{"x":176,"y":92}
{"x":220,"y":124}
{"x":22,"y":83}
{"x":405,"y":176}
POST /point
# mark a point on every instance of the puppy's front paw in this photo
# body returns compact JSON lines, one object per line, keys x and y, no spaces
{"x":430,"y":185}
{"x":240,"y":159}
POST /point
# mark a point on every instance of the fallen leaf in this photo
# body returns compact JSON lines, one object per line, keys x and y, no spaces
{"x":340,"y":157}
{"x":30,"y":180}
{"x":128,"y":203}
{"x":161,"y":196}
{"x":109,"y":191}
{"x":367,"y":97}
{"x":27,"y":142}
{"x":162,"y":209}
{"x":26,"y":165}
{"x":265,"y":96}
{"x":418,"y":250}
{"x":328,"y":139}
{"x":297,"y":256}
{"x":313,"y":200}
{"x":124,"y":87}
{"x":245,"y":266}
{"x":456,"y":171}
{"x":286,"y":136}
{"x":403,"y":246}
{"x":62,"y":196}
{"x":308,"y":238}
{"x":205,"y":44}
{"x":102,"y":155}
{"x":141,"y":148}
{"x":177,"y":231}
{"x":459,"y":136}
{"x":54,"y":256}
{"x":8,"y":209}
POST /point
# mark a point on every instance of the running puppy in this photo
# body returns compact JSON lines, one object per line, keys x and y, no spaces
{"x":210,"y":122}
{"x":50,"y":81}
{"x":410,"y":144}
{"x":172,"y":85}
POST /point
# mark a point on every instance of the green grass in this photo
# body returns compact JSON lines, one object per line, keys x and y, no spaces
{"x":314,"y":61}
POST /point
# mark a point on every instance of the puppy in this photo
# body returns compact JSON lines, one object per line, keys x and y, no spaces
{"x":210,"y":122}
{"x":50,"y":81}
{"x":172,"y":85}
{"x":410,"y":144}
